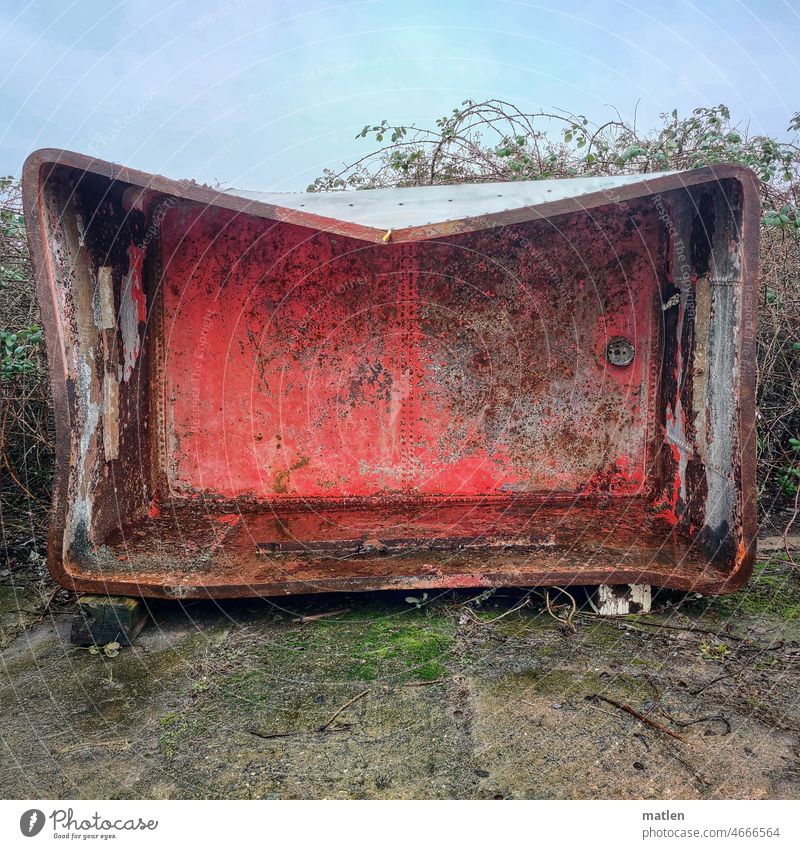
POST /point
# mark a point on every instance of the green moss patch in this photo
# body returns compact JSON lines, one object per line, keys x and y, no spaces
{"x":569,"y":685}
{"x":395,"y":646}
{"x":772,"y":593}
{"x":176,"y":729}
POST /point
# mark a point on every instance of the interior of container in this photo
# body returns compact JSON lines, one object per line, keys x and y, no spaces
{"x":258,"y":406}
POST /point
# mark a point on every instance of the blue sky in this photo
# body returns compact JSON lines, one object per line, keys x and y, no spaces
{"x":264,"y":95}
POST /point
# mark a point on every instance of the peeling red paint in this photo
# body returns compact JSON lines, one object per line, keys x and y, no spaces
{"x":345,"y":370}
{"x":229,"y":518}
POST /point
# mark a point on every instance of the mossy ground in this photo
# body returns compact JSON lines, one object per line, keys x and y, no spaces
{"x":19,"y":606}
{"x":242,"y":700}
{"x":772,"y":593}
{"x":388,"y":643}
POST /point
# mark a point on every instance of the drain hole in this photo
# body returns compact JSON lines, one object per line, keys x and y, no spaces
{"x":619,"y":352}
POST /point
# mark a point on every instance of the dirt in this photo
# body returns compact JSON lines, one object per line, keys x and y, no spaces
{"x":442,"y":698}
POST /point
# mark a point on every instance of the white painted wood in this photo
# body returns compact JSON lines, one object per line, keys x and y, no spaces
{"x":620,"y":600}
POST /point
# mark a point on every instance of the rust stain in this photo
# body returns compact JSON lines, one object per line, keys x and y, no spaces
{"x":282,"y":477}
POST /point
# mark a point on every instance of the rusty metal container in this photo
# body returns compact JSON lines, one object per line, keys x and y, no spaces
{"x":525,"y":383}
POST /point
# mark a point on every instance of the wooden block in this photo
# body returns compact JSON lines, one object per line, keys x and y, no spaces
{"x":619,"y":600}
{"x":105,"y":619}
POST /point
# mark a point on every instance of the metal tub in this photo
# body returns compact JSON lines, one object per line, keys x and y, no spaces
{"x":534,"y":383}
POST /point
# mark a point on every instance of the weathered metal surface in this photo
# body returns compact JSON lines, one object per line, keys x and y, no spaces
{"x":252,"y":398}
{"x":395,"y":209}
{"x":468,"y":366}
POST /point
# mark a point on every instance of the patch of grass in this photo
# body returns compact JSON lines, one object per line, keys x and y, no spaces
{"x":602,"y":636}
{"x":395,"y":645}
{"x":773,"y":592}
{"x":714,"y":651}
{"x":519,"y":624}
{"x":15,"y":600}
{"x":302,"y":673}
{"x":292,"y":678}
{"x":176,"y":729}
{"x":402,"y":652}
{"x":18,"y":608}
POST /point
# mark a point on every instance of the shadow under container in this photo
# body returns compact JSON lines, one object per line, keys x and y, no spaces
{"x":533,"y":383}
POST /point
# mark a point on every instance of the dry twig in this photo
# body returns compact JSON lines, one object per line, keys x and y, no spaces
{"x":636,"y":715}
{"x":314,"y":617}
{"x":343,"y":708}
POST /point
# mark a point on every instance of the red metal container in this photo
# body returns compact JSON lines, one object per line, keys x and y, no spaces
{"x":453,"y":386}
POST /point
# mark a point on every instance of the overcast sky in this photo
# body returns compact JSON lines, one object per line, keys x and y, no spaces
{"x":264,"y":95}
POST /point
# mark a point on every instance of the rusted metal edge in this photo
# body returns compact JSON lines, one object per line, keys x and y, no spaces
{"x":746,"y":343}
{"x":200,"y":194}
{"x":157,"y":588}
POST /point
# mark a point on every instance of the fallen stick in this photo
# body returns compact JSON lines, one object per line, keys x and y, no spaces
{"x":685,"y":723}
{"x":427,"y":683}
{"x":50,"y":598}
{"x":696,"y":775}
{"x":280,"y":734}
{"x":567,"y":621}
{"x":315,"y":616}
{"x":689,"y":629}
{"x":343,"y":708}
{"x":636,"y":715}
{"x":470,"y":614}
{"x":717,"y":679}
{"x":325,"y":728}
{"x":600,"y":710}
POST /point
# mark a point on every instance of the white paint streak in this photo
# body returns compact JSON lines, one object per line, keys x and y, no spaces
{"x":105,"y":318}
{"x":81,"y":512}
{"x":110,"y":417}
{"x":129,"y":322}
